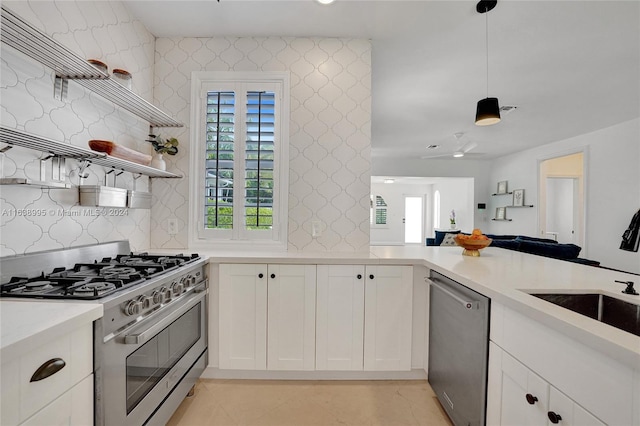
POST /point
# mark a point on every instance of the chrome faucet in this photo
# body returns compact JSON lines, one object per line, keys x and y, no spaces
{"x":629,"y":289}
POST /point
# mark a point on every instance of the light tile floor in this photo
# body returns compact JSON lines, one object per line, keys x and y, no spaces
{"x":302,"y":403}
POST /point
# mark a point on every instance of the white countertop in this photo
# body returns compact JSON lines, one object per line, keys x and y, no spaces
{"x":24,"y":323}
{"x":502,"y":275}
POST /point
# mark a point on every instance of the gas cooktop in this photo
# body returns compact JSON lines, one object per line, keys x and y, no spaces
{"x":94,"y":280}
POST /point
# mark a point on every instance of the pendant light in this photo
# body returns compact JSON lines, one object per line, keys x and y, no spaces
{"x":488,"y":110}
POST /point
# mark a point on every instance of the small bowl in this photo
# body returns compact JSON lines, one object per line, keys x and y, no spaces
{"x":472,"y":247}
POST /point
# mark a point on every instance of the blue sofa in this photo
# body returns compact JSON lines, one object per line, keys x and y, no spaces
{"x":532,"y":245}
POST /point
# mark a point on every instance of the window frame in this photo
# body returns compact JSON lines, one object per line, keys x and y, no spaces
{"x":239,"y":237}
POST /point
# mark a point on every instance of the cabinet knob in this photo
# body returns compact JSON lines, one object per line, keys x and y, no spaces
{"x":273,"y":275}
{"x":371,"y":277}
{"x":531,"y":399}
{"x":47,"y":369}
{"x":260,"y":275}
{"x":554,"y":417}
{"x":359,"y":276}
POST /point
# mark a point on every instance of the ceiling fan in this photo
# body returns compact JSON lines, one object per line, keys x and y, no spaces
{"x":461,"y":150}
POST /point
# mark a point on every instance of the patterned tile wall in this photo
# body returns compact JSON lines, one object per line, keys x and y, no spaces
{"x":330,"y":136}
{"x":100,"y":30}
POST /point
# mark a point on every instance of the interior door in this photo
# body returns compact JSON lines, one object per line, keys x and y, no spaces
{"x":561,"y":208}
{"x":413,"y":219}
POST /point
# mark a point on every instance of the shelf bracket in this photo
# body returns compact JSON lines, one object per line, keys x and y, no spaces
{"x":5,"y":149}
{"x":135,"y":180}
{"x":60,"y":88}
{"x":115,"y":175}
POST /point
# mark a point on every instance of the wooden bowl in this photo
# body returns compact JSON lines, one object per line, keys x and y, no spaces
{"x":472,"y":247}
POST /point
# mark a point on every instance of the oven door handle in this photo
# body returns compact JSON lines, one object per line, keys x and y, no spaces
{"x":148,"y":333}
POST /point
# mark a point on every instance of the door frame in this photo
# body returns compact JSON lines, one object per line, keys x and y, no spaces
{"x":541,"y":211}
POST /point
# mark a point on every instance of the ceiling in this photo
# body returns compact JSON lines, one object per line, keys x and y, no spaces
{"x":570,"y":67}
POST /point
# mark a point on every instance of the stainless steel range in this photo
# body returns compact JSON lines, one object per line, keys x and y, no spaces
{"x":151,"y":344}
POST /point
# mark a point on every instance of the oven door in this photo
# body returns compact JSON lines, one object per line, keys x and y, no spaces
{"x":141,"y":366}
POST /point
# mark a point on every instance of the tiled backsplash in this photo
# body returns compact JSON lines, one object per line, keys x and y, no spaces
{"x":330,"y":131}
{"x":34,"y":219}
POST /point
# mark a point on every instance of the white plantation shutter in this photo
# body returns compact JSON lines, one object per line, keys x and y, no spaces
{"x":219,"y":162}
{"x":259,"y":160}
{"x":241,"y":197}
{"x":378,"y":213}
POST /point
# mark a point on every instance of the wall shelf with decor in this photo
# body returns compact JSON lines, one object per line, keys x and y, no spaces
{"x":504,"y":193}
{"x":502,"y":220}
{"x":518,"y":207}
{"x":58,"y":151}
{"x":30,"y":41}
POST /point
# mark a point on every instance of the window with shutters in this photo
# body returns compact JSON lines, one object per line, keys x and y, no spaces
{"x":378,"y":211}
{"x":241,"y":152}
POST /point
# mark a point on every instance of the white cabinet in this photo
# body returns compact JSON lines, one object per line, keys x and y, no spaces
{"x":68,"y":360}
{"x":243,"y":317}
{"x":74,"y":407}
{"x":272,"y":317}
{"x":599,"y":388}
{"x":387,"y":318}
{"x":364,"y":318}
{"x":291,"y":317}
{"x":521,"y":397}
{"x":258,"y":300}
{"x":340,"y":317}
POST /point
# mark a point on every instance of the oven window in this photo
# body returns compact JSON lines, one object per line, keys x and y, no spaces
{"x":149,"y":364}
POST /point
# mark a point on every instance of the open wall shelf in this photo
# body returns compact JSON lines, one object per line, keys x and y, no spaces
{"x":64,"y":150}
{"x":29,"y":40}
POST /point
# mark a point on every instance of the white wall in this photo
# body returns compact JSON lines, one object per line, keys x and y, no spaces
{"x":393,"y":194}
{"x":612,"y":189}
{"x":99,"y":30}
{"x":476,"y":169}
{"x":330,"y":136}
{"x":456,"y":194}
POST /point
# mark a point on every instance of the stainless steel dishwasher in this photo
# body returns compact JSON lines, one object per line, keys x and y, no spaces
{"x":458,"y":349}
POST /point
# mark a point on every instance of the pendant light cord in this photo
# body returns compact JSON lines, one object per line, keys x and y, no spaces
{"x":486,"y":14}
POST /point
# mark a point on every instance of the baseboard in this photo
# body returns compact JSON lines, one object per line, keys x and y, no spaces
{"x":216,"y":373}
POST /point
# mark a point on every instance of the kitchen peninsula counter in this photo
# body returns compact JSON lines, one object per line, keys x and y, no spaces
{"x":505,"y":276}
{"x":24,"y":324}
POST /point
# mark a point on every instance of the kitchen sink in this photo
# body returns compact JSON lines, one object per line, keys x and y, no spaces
{"x":609,"y":310}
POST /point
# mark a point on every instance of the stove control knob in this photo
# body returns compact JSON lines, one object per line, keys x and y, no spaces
{"x":158,"y":296}
{"x":185,"y":282}
{"x":191,"y":279}
{"x":177,"y":288}
{"x":144,"y":302}
{"x":167,"y":293}
{"x":132,"y":308}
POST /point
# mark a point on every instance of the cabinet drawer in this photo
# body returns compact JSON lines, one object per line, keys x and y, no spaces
{"x":72,"y":408}
{"x":22,"y":397}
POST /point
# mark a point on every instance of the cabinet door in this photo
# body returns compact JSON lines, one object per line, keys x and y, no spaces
{"x":524,"y":396}
{"x":340,"y":317}
{"x":387,"y":318}
{"x":72,"y":408}
{"x":292,"y":317}
{"x":565,"y":412}
{"x":243,"y":317}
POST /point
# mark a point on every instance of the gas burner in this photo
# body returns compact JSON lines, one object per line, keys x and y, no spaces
{"x":116,"y":270}
{"x":37,"y":286}
{"x":95,"y":288}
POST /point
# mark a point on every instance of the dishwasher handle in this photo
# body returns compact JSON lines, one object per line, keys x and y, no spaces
{"x":467,"y":304}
